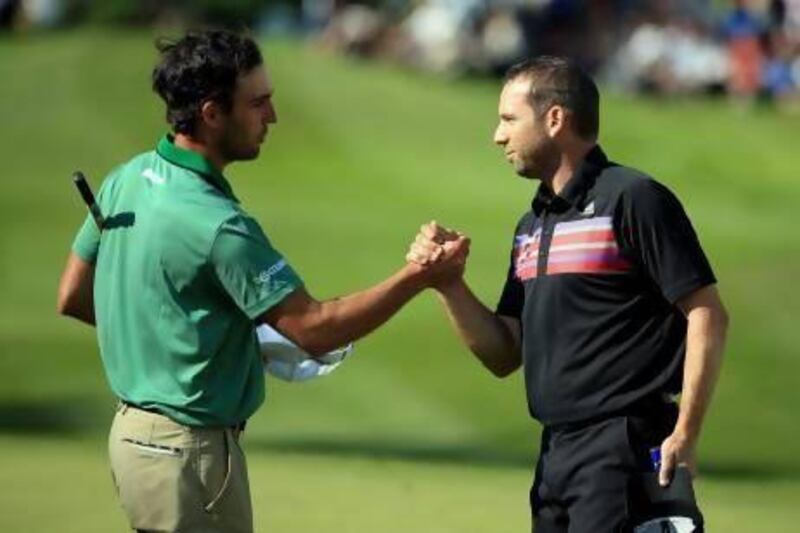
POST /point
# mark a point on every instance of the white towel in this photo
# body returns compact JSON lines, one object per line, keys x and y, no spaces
{"x":287,"y":361}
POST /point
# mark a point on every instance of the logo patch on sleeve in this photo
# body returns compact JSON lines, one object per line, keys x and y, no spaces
{"x":266,"y":275}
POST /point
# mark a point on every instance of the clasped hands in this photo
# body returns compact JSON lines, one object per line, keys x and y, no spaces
{"x":441,"y":254}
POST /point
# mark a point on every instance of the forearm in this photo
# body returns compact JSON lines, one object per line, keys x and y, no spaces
{"x":705,"y":342}
{"x":78,"y":305}
{"x":484,"y":333}
{"x":76,"y":290}
{"x":342,"y":320}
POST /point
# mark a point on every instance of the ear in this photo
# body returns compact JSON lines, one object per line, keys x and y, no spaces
{"x":555,"y":121}
{"x":211,"y":114}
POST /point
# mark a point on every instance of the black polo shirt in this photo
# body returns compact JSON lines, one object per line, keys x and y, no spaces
{"x":595,"y":274}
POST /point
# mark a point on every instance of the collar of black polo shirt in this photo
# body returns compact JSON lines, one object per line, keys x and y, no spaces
{"x":574,"y":191}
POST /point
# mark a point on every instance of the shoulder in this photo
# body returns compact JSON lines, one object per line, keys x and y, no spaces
{"x":525,"y":221}
{"x":123,"y":171}
{"x":240,"y":223}
{"x":621,"y":179}
{"x":632,"y":186}
{"x":240,"y":239}
{"x":185,"y":197}
{"x":135,"y":165}
{"x":200,"y":219}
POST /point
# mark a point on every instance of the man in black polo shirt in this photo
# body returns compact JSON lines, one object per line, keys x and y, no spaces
{"x":610,"y":306}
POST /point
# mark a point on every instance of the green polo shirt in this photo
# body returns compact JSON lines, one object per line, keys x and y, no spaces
{"x":181,"y":272}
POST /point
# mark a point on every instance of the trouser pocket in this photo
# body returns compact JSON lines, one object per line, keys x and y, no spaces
{"x":154,"y":449}
{"x":656,"y":509}
{"x":217,"y":466}
{"x":151,"y":467}
{"x":222,"y":471}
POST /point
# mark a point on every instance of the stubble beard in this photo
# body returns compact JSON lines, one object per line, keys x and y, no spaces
{"x":541,"y":162}
{"x":232,"y":150}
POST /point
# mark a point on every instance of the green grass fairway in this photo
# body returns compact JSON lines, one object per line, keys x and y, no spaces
{"x":411,"y":434}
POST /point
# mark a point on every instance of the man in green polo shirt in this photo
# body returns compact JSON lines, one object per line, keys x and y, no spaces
{"x":178,"y":278}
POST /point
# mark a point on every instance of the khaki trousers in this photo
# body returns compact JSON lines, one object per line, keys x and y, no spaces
{"x":176,"y":478}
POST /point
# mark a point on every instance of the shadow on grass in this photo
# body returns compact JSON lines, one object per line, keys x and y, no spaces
{"x":482,"y":456}
{"x":62,"y":416}
{"x":82,"y":415}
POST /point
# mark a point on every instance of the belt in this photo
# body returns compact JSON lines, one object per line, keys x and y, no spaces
{"x":131,"y":405}
{"x":236,"y":428}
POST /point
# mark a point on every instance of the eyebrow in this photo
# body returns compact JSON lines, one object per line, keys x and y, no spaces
{"x":263,"y":96}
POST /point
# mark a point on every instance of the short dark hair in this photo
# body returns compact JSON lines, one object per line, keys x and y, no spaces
{"x":198,"y":67}
{"x":559,"y":81}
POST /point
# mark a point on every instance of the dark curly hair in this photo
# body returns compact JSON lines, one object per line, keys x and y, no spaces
{"x":199,"y":67}
{"x":559,"y":81}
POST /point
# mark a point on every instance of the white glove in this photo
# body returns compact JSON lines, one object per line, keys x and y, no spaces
{"x":287,"y":361}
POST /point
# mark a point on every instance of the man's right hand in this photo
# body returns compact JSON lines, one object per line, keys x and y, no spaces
{"x":496,"y":340}
{"x":441,"y":252}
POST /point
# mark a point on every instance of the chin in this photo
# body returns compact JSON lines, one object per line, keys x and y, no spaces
{"x":249,"y":155}
{"x":527,"y":176}
{"x":525,"y":172}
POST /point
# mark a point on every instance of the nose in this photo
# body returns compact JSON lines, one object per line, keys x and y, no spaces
{"x":271,"y":116}
{"x":500,"y":136}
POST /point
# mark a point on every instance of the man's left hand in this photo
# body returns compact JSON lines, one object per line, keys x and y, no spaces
{"x":676,"y":450}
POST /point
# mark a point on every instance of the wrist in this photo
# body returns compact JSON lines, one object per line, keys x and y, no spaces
{"x":686,"y":433}
{"x":450,"y":287}
{"x":412,"y":275}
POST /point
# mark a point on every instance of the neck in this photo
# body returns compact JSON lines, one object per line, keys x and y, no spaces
{"x":203,"y":148}
{"x":571,"y":159}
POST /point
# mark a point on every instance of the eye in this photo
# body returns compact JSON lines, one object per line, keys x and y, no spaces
{"x":260,"y":102}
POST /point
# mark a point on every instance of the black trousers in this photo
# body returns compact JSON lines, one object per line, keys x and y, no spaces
{"x":592,"y":477}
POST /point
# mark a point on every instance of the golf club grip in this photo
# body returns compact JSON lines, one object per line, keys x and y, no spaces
{"x":83,"y":188}
{"x":88,"y":197}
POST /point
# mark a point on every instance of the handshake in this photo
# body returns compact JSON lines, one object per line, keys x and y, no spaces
{"x":436,"y":259}
{"x":439,"y":254}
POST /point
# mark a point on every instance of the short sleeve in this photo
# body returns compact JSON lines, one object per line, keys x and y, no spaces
{"x":254,"y":274}
{"x":87,"y":241}
{"x":658,"y":234}
{"x":512,"y":299}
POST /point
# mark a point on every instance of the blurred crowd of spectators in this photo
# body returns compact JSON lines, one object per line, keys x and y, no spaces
{"x":749,"y":49}
{"x":745,"y":48}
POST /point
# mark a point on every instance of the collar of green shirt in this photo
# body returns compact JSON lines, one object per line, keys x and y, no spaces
{"x":195,"y":162}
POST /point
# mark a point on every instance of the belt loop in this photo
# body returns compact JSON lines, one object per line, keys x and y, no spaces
{"x":237,"y":430}
{"x":122,"y":407}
